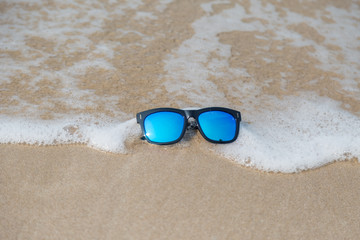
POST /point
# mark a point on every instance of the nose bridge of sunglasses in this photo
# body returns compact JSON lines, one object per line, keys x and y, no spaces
{"x":192,"y":124}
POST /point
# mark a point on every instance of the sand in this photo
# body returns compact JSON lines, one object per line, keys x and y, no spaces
{"x":155,"y":192}
{"x":175,"y":192}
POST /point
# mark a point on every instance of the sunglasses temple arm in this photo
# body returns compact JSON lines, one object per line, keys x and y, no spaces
{"x":138,"y":117}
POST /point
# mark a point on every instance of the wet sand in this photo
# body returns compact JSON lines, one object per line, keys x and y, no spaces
{"x":155,"y":192}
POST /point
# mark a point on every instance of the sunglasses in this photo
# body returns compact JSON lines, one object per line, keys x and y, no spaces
{"x":168,"y":125}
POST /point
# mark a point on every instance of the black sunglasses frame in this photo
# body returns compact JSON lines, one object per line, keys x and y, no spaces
{"x":187,"y":114}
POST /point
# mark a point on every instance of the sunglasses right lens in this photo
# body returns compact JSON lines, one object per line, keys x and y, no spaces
{"x":164,"y":127}
{"x":218,"y":126}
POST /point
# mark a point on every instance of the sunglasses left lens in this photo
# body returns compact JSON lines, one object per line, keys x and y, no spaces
{"x":164,"y":127}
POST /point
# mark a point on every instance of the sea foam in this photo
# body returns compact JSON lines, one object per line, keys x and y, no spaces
{"x":192,"y":60}
{"x":287,"y":134}
{"x":302,"y":133}
{"x":106,"y":136}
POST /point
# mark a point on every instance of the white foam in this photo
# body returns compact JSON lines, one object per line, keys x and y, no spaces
{"x":302,"y":133}
{"x":62,"y":26}
{"x":298,"y":133}
{"x":69,"y":34}
{"x":162,"y":5}
{"x":106,"y":136}
{"x":189,"y":61}
{"x":145,"y":16}
{"x":188,"y":67}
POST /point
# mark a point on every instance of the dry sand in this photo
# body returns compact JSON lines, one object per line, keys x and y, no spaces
{"x":73,"y":192}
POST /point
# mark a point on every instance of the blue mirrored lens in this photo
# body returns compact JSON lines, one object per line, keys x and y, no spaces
{"x":217,"y":125}
{"x":163,"y":127}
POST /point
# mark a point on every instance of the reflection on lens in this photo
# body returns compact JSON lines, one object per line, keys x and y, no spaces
{"x":163,"y":127}
{"x":217,"y":125}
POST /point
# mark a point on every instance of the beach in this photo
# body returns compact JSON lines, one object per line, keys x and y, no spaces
{"x":73,"y":75}
{"x":67,"y":192}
